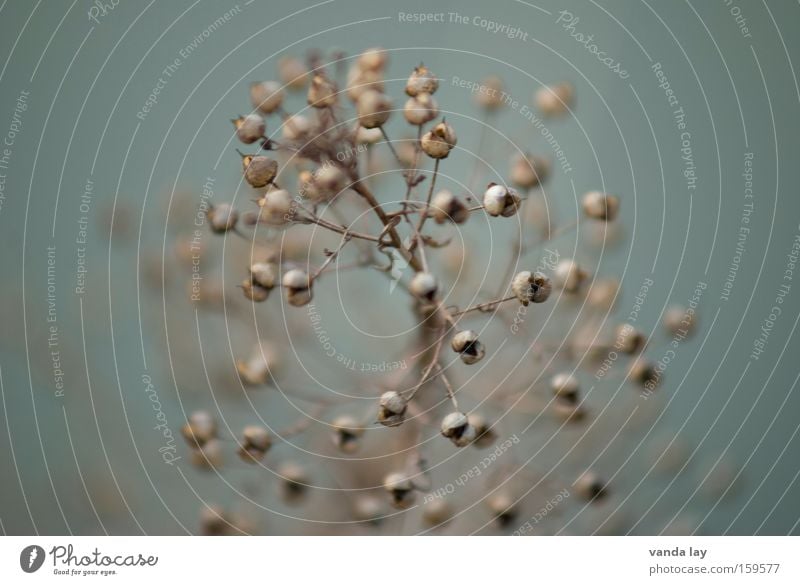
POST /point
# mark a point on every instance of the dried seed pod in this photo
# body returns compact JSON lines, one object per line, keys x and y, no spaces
{"x":347,"y":434}
{"x":531,"y":287}
{"x":565,"y":386}
{"x":207,"y":457}
{"x":421,"y":80}
{"x":322,"y":92}
{"x":200,"y":428}
{"x":222,"y":217}
{"x":529,"y":171}
{"x":603,"y":294}
{"x":324,"y":184}
{"x":679,"y":321}
{"x":260,"y":367}
{"x":292,"y":72}
{"x":447,"y":207}
{"x":298,"y":287}
{"x":254,"y":444}
{"x":501,"y":200}
{"x":436,"y":513}
{"x":484,"y":433}
{"x":250,"y":128}
{"x":628,"y":339}
{"x":644,"y":373}
{"x":400,"y":489}
{"x":590,"y":487}
{"x":598,"y":205}
{"x":360,"y":81}
{"x":368,"y":509}
{"x":424,"y":286}
{"x":254,"y":291}
{"x":259,"y":171}
{"x":294,"y":483}
{"x":266,"y":96}
{"x":392,"y":409}
{"x":420,"y":109}
{"x":490,"y":94}
{"x":440,"y":141}
{"x":502,"y":507}
{"x":555,"y":100}
{"x":456,"y":427}
{"x":276,"y":206}
{"x":466,"y":344}
{"x":214,"y":521}
{"x":373,"y":59}
{"x":297,"y":128}
{"x":368,"y":135}
{"x":569,"y":276}
{"x":264,"y":274}
{"x":373,"y":109}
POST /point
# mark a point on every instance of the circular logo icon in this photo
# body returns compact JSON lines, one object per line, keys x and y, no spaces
{"x":31,"y":558}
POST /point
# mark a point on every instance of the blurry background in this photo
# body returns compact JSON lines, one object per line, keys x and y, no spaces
{"x":79,"y":450}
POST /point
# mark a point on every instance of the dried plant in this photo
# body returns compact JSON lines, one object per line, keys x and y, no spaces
{"x":319,"y":169}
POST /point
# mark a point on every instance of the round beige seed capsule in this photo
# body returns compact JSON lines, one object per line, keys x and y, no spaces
{"x":199,"y":429}
{"x":373,"y":109}
{"x":322,"y":92}
{"x":531,"y":287}
{"x":259,"y":171}
{"x":392,"y":409}
{"x":529,"y":171}
{"x":439,"y":142}
{"x":400,"y":489}
{"x":447,"y":207}
{"x":266,"y":96}
{"x":490,"y":93}
{"x":679,"y":320}
{"x":598,"y":205}
{"x":628,"y":339}
{"x":373,"y":59}
{"x":570,"y":276}
{"x":644,"y":373}
{"x":254,"y":444}
{"x":565,"y":385}
{"x":484,"y":433}
{"x":456,"y":427}
{"x":264,"y":274}
{"x":423,"y":285}
{"x":360,"y":81}
{"x":294,"y":483}
{"x":436,"y":513}
{"x":555,"y":100}
{"x":347,"y":434}
{"x":222,"y":217}
{"x":250,"y":128}
{"x":466,"y":344}
{"x":292,"y":72}
{"x":590,"y":487}
{"x":254,"y":291}
{"x":500,"y":200}
{"x":502,"y":507}
{"x":420,"y":109}
{"x":421,"y":80}
{"x":298,"y":287}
